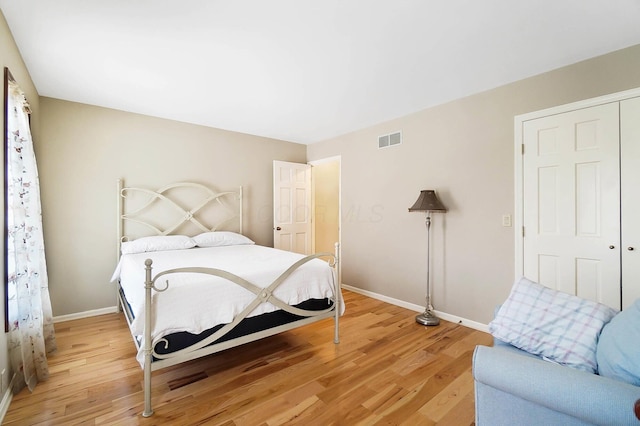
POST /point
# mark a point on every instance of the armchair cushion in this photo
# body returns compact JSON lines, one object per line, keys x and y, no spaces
{"x":618,"y":352}
{"x":557,"y":326}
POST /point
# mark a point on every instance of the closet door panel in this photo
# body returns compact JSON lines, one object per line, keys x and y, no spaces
{"x":630,"y":190}
{"x":571,"y":200}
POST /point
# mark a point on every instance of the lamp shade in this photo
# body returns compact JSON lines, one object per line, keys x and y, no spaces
{"x":427,"y":201}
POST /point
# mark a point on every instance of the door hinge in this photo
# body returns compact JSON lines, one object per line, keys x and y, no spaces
{"x":523,"y":232}
{"x":522,"y":149}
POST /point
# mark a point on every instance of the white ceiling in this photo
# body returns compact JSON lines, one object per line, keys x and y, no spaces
{"x":302,"y":70}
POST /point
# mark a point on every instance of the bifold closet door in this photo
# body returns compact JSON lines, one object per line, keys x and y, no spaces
{"x":630,"y":190}
{"x":571,"y":195}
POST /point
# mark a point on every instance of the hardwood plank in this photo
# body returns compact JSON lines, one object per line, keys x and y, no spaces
{"x":386,"y":370}
{"x":448,"y":398}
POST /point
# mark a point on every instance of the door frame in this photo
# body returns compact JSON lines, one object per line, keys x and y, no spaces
{"x":519,"y":121}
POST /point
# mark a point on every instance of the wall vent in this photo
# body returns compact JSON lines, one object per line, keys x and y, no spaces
{"x":390,"y":139}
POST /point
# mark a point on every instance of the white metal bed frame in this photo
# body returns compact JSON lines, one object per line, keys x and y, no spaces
{"x":262,"y":295}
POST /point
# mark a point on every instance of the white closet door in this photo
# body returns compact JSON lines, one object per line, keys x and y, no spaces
{"x":630,"y":173}
{"x":571,"y":211}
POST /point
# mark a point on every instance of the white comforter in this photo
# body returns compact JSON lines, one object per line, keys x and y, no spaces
{"x":196,"y":302}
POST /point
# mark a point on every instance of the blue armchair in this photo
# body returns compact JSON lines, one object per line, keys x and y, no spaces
{"x":513,"y":387}
{"x":595,"y":379}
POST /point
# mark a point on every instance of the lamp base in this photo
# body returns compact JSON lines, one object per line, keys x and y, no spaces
{"x":427,"y":318}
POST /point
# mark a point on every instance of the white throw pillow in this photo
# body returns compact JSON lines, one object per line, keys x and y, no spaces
{"x":157,"y":243}
{"x":221,"y":238}
{"x":557,"y":326}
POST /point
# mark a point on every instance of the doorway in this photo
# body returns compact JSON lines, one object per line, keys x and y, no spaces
{"x":325,"y":204}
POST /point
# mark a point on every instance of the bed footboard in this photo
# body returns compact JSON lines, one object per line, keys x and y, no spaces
{"x":154,"y":360}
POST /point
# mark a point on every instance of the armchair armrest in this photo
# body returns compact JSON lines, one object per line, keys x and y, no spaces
{"x":589,"y":397}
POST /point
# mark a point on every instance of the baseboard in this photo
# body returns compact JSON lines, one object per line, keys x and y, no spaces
{"x":417,"y":308}
{"x":86,"y":314}
{"x":413,"y":307}
{"x":6,"y":401}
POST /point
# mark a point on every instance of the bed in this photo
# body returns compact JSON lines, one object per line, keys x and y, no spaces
{"x":191,"y":284}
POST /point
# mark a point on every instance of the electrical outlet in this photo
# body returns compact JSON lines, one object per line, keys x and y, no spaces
{"x":3,"y":379}
{"x":506,"y":220}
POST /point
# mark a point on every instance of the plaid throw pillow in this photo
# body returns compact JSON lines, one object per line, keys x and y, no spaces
{"x":557,"y":326}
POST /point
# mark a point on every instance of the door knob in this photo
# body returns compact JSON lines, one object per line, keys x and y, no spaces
{"x":612,"y":247}
{"x":278,"y":229}
{"x":630,"y":248}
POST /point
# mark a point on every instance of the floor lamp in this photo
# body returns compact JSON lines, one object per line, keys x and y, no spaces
{"x":428,"y":202}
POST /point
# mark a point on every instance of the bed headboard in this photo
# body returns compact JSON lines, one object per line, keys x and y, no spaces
{"x":186,"y":208}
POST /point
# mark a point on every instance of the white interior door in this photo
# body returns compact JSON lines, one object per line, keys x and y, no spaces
{"x":571,"y":195}
{"x":292,"y":207}
{"x":630,"y":178}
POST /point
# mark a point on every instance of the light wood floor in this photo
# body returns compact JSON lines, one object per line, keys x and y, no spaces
{"x":387,"y":370}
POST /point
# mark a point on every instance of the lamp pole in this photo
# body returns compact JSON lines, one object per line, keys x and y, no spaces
{"x":428,"y":317}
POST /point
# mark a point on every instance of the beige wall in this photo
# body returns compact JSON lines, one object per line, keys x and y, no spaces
{"x":10,"y":57}
{"x":464,"y":150}
{"x":84,"y":149}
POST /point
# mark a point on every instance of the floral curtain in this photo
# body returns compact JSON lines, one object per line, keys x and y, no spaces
{"x":31,"y":334}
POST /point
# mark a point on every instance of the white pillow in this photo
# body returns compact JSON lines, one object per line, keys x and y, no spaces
{"x":221,"y":238}
{"x":557,"y":326}
{"x":157,"y":243}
